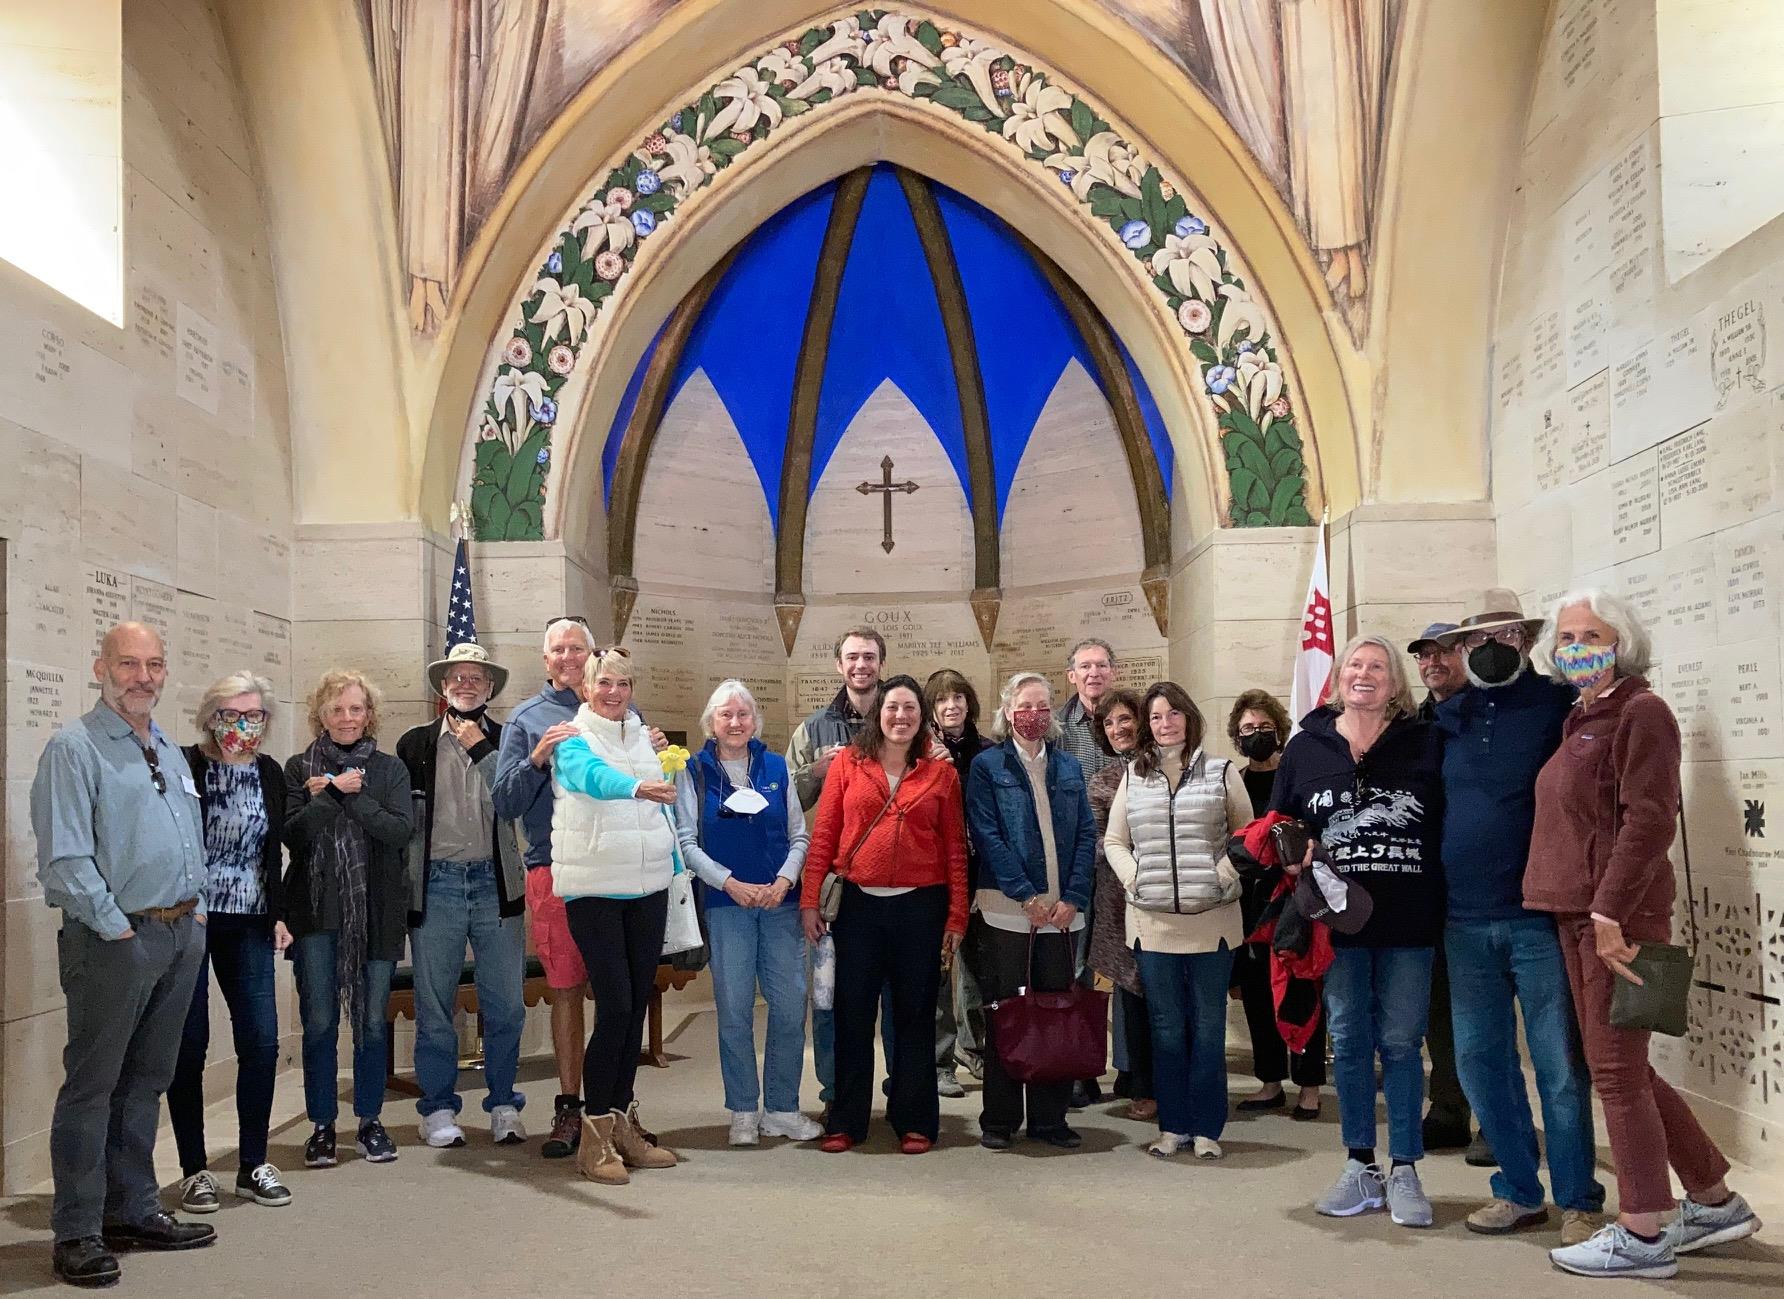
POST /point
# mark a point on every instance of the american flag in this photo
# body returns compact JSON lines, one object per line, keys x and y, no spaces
{"x":461,"y":614}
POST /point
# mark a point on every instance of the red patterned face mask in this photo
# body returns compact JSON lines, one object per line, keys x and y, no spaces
{"x":1031,"y":723}
{"x":241,"y":736}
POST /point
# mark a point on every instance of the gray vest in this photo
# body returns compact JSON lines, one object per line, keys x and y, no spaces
{"x":1178,"y":836}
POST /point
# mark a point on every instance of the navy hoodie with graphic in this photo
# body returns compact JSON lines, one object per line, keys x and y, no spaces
{"x":1380,"y":819}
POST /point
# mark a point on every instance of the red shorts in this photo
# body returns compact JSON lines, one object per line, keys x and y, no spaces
{"x":551,"y":932}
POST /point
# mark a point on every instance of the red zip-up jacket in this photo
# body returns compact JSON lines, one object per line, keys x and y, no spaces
{"x":1606,"y":806}
{"x":920,"y":841}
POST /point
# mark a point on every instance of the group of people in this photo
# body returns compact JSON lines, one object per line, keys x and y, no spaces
{"x":920,"y":870}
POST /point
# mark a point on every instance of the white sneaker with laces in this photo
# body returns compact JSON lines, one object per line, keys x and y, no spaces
{"x":792,"y":1125}
{"x":1616,"y":1251}
{"x":440,"y":1130}
{"x":505,"y":1126}
{"x":1207,"y":1148}
{"x":1701,"y":1226}
{"x":1168,"y":1144}
{"x":746,"y":1128}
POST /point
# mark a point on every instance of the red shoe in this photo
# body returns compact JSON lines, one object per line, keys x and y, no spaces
{"x":836,"y":1143}
{"x":914,"y":1144}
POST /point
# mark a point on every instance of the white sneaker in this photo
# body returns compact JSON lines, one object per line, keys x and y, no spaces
{"x":792,"y":1125}
{"x":1207,"y":1148}
{"x":746,"y":1128}
{"x":505,"y":1127}
{"x":1169,"y":1143}
{"x":440,"y":1130}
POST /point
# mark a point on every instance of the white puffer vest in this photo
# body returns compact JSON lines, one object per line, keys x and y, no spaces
{"x":1179,"y":837}
{"x":620,"y":847}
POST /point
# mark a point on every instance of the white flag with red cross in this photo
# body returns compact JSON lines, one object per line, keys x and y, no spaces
{"x":1313,"y":660}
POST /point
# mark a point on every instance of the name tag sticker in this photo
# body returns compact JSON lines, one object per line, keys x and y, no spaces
{"x":746,"y":801}
{"x":191,"y":788}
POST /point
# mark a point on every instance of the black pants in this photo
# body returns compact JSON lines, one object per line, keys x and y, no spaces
{"x":1448,"y":1104}
{"x":897,"y":942}
{"x":1271,"y":1061}
{"x":1136,"y":1036}
{"x":1000,"y":959}
{"x":621,"y":941}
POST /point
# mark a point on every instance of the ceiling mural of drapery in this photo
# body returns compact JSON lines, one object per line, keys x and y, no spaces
{"x":466,"y":87}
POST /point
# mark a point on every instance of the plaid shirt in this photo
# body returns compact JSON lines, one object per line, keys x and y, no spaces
{"x":1078,"y":738}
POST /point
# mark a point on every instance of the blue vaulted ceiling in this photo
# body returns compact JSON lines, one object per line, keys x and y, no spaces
{"x":888,"y":325}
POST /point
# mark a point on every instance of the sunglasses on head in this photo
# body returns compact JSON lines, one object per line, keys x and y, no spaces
{"x":567,"y":617}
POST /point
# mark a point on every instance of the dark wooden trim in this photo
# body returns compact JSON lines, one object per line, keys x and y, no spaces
{"x":808,"y":382}
{"x":969,"y":383}
{"x":647,"y":416}
{"x":1130,"y":422}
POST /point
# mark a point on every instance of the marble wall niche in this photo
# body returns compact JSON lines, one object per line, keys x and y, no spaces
{"x":148,"y":477}
{"x":1665,"y":490}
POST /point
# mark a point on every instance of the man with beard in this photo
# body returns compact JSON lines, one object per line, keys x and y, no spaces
{"x":1505,"y":962}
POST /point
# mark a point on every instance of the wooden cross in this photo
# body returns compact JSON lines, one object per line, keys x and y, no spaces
{"x":886,"y":487}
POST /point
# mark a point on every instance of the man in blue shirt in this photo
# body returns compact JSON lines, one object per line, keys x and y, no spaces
{"x":120,"y":850}
{"x":1505,"y":962}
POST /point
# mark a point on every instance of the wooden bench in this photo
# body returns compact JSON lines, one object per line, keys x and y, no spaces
{"x":402,"y":1005}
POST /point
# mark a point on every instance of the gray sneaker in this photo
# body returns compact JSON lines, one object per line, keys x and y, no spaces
{"x":1700,"y":1226}
{"x":1614,"y":1251}
{"x":1408,"y":1205}
{"x":1357,"y":1190}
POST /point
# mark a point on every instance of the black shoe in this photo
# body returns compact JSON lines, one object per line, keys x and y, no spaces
{"x":566,"y":1132}
{"x":1257,"y":1105}
{"x":1480,"y":1153}
{"x":319,"y":1150}
{"x":1304,"y":1113}
{"x":374,"y":1143}
{"x":160,"y":1230}
{"x":1442,"y":1133}
{"x":1061,"y":1137}
{"x":262,"y":1185}
{"x":85,"y":1261}
{"x":1085,"y":1094}
{"x":992,"y":1139}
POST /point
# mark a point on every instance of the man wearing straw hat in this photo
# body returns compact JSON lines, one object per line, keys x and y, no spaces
{"x":467,"y":885}
{"x":1505,"y":962}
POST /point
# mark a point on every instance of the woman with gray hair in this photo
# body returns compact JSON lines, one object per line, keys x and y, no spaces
{"x":1030,"y":820}
{"x":745,"y":839}
{"x":1364,"y":775}
{"x":1606,"y":804}
{"x":241,"y":793}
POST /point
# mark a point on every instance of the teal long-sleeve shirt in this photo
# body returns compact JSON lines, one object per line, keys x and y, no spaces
{"x":580,"y":770}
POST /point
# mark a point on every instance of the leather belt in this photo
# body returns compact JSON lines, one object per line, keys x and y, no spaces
{"x":166,"y":915}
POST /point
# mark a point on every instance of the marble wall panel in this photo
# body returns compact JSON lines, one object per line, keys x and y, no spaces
{"x":128,"y":523}
{"x":197,"y":547}
{"x":32,"y":975}
{"x":393,"y":652}
{"x":1035,"y":631}
{"x":343,"y":579}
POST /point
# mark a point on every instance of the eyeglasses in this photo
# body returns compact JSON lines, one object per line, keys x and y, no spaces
{"x":229,"y":717}
{"x":1513,"y":636}
{"x":154,"y":760}
{"x":1257,"y":730}
{"x":465,"y":679}
{"x":1429,"y":653}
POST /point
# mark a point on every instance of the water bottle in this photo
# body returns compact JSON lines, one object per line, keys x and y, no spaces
{"x":823,"y":973}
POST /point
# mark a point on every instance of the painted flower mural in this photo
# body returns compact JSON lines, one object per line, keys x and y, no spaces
{"x":878,"y":51}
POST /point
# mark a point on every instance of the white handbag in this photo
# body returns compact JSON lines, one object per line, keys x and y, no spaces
{"x":681,"y":933}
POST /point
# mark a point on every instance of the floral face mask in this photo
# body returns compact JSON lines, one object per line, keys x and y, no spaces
{"x":240,"y":736}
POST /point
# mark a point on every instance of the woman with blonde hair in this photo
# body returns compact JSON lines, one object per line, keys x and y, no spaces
{"x":613,"y":853}
{"x":1364,"y":776}
{"x":241,"y":793}
{"x":348,"y":820}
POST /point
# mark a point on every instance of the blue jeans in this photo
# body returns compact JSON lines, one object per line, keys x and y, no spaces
{"x":1499,"y":969}
{"x":1377,"y":1002}
{"x":751,"y":946}
{"x":319,"y":1006}
{"x":1186,"y":1000}
{"x":463,"y":906}
{"x":240,"y":949}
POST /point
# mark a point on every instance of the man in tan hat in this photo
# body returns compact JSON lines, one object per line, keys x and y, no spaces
{"x":1505,"y":962}
{"x":468,"y":885}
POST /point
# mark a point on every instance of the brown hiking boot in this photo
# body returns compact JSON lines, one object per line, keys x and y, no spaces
{"x":566,"y":1133}
{"x":638,"y":1127}
{"x":597,"y":1160}
{"x":634,"y":1150}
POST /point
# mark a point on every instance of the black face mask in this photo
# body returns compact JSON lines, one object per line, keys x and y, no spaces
{"x":1494,"y":663}
{"x":475,"y":715}
{"x":1258,"y":746}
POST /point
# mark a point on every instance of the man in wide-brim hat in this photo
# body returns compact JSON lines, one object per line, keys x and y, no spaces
{"x":467,"y":885}
{"x":1505,"y":963}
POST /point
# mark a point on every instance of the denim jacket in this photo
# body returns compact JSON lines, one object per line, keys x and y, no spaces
{"x":1000,"y":813}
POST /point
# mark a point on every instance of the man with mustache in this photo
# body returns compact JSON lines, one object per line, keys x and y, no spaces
{"x":1505,"y":962}
{"x":120,"y":851}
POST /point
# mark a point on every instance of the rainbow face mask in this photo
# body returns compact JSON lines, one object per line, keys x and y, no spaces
{"x":1584,"y":666}
{"x":241,"y":736}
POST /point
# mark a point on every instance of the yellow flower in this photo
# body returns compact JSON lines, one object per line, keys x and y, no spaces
{"x":674,"y":760}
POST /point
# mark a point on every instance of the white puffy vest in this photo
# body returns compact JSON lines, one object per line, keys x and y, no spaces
{"x":1178,"y":837}
{"x":611,"y":847}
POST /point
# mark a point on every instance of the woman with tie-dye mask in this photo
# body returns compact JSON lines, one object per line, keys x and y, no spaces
{"x":242,"y":793}
{"x":1606,"y":807}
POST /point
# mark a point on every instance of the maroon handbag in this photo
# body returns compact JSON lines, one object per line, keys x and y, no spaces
{"x":1051,"y":1037}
